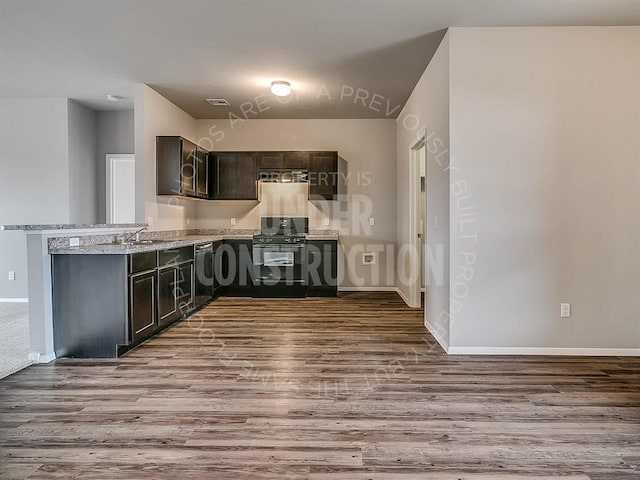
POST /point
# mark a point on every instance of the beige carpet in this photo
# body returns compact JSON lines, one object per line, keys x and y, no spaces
{"x":14,"y":337}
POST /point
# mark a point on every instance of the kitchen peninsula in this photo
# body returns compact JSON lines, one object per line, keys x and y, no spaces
{"x":104,"y":292}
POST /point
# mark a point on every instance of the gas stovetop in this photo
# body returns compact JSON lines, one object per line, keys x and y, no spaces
{"x":282,"y":231}
{"x":278,"y":239}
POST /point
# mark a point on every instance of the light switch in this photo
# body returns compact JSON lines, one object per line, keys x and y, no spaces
{"x":372,"y":221}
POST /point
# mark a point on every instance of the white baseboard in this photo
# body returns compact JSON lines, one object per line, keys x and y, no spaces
{"x":434,"y":333}
{"x":366,"y":289}
{"x":583,"y":352}
{"x":36,"y":357}
{"x":403,"y":296}
{"x":14,"y":300}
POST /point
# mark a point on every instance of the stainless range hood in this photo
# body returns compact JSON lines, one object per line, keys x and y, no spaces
{"x":282,"y":175}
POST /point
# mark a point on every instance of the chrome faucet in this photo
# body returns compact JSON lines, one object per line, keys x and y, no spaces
{"x":133,"y":237}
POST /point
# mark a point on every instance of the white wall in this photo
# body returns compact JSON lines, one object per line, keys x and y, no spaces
{"x":368,"y":146}
{"x":83,"y":168}
{"x":155,"y":115}
{"x":545,"y":131}
{"x":426,"y":113}
{"x":34,"y":177}
{"x":115,"y":132}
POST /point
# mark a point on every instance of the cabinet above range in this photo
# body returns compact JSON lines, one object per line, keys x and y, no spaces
{"x":184,"y":169}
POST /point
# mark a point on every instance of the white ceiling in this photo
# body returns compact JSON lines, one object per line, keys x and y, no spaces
{"x":189,"y":50}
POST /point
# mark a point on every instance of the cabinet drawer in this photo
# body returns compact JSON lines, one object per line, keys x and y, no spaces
{"x":175,"y":255}
{"x":141,"y":262}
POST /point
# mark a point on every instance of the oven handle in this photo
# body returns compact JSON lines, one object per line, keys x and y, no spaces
{"x":281,"y":245}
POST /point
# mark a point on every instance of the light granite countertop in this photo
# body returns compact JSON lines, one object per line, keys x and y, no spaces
{"x":119,"y":249}
{"x":72,"y":226}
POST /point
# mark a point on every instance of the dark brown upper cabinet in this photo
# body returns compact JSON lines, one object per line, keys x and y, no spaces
{"x":325,"y":176}
{"x":295,"y":160}
{"x":282,"y":160}
{"x":235,"y":175}
{"x":268,"y":160}
{"x":203,"y":176}
{"x":186,"y":169}
{"x":182,"y":168}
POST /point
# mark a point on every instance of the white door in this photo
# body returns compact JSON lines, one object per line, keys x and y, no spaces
{"x":121,"y":188}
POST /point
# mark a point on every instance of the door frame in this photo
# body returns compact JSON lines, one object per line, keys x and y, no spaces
{"x":111,"y":159}
{"x":415,"y":289}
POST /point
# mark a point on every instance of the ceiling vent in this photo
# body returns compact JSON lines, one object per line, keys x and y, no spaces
{"x":218,"y":102}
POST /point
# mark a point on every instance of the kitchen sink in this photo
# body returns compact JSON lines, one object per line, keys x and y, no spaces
{"x":143,"y":242}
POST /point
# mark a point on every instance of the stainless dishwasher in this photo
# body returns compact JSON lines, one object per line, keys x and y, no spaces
{"x":204,"y":274}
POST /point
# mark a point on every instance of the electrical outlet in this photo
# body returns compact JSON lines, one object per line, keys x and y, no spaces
{"x":74,"y":242}
{"x":327,"y":222}
{"x":12,"y":275}
{"x":372,"y":221}
{"x":233,"y":221}
{"x":565,"y":310}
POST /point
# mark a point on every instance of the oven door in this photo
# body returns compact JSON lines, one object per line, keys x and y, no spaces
{"x":279,"y":264}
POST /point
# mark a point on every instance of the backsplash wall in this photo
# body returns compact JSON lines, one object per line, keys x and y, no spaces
{"x":276,"y":199}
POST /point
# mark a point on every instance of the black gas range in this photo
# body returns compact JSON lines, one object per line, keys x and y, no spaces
{"x":279,"y":257}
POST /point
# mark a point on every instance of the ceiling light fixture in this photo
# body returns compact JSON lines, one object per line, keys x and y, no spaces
{"x":114,"y":98}
{"x":280,"y":88}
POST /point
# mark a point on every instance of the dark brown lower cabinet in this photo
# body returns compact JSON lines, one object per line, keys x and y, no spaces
{"x":322,"y":268}
{"x":104,"y":305}
{"x":235,"y":257}
{"x":167,"y":300}
{"x":184,"y":290}
{"x":142,"y":304}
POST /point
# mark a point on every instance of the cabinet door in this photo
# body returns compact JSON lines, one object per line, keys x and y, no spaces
{"x":184,"y":292}
{"x":237,"y":267}
{"x":322,"y":267}
{"x":225,"y":176}
{"x":295,"y":160}
{"x":168,"y":165}
{"x":323,"y":169}
{"x":188,"y":168}
{"x":142,"y":304}
{"x":246,"y":177}
{"x":167,"y":301}
{"x":270,"y":160}
{"x":202,"y":173}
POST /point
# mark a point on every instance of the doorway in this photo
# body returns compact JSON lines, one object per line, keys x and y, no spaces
{"x":417,"y":211}
{"x":121,"y":188}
